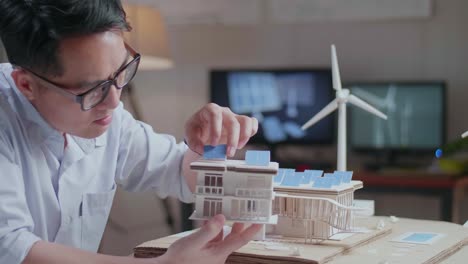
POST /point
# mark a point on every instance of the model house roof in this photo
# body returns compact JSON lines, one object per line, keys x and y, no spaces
{"x":255,"y":162}
{"x":234,"y":165}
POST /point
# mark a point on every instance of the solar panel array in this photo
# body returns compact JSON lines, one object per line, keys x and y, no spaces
{"x":286,"y":177}
{"x":311,"y":178}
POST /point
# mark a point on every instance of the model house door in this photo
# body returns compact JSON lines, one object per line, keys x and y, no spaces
{"x":212,"y":207}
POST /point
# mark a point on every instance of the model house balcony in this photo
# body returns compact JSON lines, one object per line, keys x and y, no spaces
{"x":254,"y":193}
{"x":260,"y":215}
{"x":211,"y":190}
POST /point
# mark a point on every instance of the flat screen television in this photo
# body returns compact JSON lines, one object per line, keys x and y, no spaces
{"x":416,"y":117}
{"x":281,"y":99}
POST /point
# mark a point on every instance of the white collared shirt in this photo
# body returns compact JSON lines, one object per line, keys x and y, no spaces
{"x":65,"y":195}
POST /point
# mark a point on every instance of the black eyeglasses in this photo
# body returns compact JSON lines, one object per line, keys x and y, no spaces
{"x":98,"y":93}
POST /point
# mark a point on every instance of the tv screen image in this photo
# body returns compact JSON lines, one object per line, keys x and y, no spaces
{"x":415,"y":111}
{"x":282,"y":101}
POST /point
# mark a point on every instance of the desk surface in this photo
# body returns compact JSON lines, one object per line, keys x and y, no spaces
{"x":379,"y":250}
{"x":384,"y":251}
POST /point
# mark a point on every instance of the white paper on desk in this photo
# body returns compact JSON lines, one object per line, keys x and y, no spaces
{"x":425,"y":238}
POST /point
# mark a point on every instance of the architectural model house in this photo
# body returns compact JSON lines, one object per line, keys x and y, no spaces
{"x":295,"y":204}
{"x":241,"y":190}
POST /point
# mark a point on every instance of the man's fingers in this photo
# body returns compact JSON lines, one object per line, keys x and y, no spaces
{"x":254,"y":126}
{"x":236,"y":240}
{"x":237,"y":228}
{"x":212,"y":123}
{"x":232,"y":126}
{"x":193,"y":140}
{"x":245,"y":131}
{"x":218,"y":237}
{"x":207,"y":232}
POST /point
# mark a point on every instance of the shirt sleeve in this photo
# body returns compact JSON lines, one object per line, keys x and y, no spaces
{"x":16,"y":225}
{"x":150,"y":161}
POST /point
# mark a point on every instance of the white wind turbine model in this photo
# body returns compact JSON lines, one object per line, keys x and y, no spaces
{"x":342,"y":97}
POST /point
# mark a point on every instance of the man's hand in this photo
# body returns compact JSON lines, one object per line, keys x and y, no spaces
{"x":207,"y":245}
{"x":214,"y":125}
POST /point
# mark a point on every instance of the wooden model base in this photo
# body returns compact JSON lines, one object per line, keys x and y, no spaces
{"x":366,"y":248}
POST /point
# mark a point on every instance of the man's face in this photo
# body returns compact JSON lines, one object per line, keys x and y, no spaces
{"x":87,"y":61}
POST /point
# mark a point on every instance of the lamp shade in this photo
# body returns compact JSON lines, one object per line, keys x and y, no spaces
{"x":148,"y":37}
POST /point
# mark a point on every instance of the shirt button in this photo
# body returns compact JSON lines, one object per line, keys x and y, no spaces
{"x":67,"y":220}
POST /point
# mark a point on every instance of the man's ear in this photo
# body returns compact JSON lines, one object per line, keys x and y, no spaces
{"x":24,"y":83}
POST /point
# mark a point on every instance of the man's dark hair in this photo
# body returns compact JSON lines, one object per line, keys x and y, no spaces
{"x":31,"y":30}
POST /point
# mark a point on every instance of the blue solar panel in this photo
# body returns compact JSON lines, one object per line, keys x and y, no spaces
{"x":279,"y":176}
{"x":336,"y":179}
{"x":323,"y":182}
{"x":290,"y":178}
{"x":214,"y":152}
{"x":301,"y":176}
{"x":311,"y":175}
{"x":346,"y":176}
{"x":257,"y":157}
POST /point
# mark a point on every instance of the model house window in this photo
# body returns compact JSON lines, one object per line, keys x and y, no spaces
{"x":214,"y":180}
{"x":212,"y":207}
{"x":213,"y":183}
{"x":251,"y":206}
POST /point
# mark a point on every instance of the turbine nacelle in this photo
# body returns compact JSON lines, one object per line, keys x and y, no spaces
{"x":342,"y":95}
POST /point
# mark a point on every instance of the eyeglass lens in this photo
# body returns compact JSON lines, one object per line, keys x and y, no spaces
{"x":99,"y":93}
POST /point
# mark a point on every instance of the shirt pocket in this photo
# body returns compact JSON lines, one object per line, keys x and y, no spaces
{"x":95,"y":211}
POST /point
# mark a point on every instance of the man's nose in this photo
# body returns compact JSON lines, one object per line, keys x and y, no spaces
{"x":112,"y":99}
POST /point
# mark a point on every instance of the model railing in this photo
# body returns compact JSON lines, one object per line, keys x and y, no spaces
{"x":211,"y":190}
{"x":251,"y":208}
{"x":316,"y":209}
{"x":254,"y":193}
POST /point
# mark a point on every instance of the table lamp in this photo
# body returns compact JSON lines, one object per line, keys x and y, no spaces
{"x":148,"y":37}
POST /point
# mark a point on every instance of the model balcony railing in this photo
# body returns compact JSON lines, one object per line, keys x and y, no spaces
{"x":254,"y":193}
{"x":211,"y":190}
{"x":260,"y":215}
{"x":314,"y":208}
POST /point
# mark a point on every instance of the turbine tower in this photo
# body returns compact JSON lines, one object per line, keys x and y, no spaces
{"x":342,"y":97}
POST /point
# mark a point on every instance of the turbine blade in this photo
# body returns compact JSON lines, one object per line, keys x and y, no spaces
{"x":464,"y":135}
{"x":369,"y":108}
{"x":335,"y":70}
{"x":333,"y":105}
{"x":369,"y":97}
